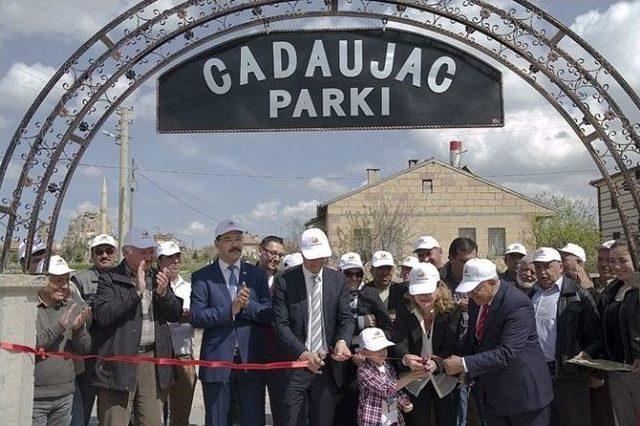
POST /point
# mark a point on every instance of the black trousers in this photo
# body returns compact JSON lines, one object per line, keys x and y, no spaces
{"x":347,"y":406}
{"x":539,"y":417}
{"x":276,"y":381}
{"x":571,"y":404}
{"x":601,"y":409}
{"x":310,"y":399}
{"x":428,"y":406}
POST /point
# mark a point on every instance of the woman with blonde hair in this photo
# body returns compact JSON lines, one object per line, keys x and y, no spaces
{"x":426,"y":330}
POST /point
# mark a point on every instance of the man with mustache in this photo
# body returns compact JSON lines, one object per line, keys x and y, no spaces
{"x":526,"y":275}
{"x":230,"y":301}
{"x":103,"y":256}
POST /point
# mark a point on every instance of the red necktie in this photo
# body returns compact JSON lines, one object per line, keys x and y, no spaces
{"x":484,"y":313}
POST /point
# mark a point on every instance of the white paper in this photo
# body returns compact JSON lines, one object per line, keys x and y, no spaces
{"x":444,"y":384}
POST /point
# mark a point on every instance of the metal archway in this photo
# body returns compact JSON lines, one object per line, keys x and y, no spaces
{"x":598,"y":104}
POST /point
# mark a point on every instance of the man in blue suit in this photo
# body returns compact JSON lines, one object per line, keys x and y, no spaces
{"x":502,"y":352}
{"x":230,"y":301}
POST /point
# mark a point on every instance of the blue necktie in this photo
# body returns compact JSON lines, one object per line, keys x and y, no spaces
{"x":233,"y":281}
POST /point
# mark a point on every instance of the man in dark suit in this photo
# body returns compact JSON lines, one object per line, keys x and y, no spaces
{"x":568,"y":325}
{"x":502,"y":352}
{"x":391,"y":294}
{"x":311,"y":316}
{"x":230,"y":300}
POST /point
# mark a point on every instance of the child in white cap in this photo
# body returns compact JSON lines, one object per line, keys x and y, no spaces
{"x":381,"y":397}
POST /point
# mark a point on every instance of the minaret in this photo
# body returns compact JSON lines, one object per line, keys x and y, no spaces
{"x":103,"y":208}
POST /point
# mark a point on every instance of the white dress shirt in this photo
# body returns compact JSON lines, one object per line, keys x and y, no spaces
{"x":427,"y":338}
{"x":182,"y":333}
{"x":309,"y":285}
{"x":545,"y":304}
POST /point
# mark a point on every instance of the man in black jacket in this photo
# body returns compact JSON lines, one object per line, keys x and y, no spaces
{"x":391,"y":294}
{"x":568,"y":325}
{"x":312,"y":318}
{"x":131,"y":311}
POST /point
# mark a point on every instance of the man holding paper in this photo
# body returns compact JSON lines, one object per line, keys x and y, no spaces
{"x":427,"y":330}
{"x":503,"y":357}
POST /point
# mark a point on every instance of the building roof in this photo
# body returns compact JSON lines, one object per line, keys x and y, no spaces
{"x":434,"y":161}
{"x":600,"y":181}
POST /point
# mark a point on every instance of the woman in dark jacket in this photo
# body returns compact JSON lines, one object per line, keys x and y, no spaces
{"x":426,"y":330}
{"x":620,"y":313}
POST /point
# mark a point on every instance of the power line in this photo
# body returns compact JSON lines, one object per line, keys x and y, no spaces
{"x":198,"y":173}
{"x":172,"y":195}
{"x":191,"y":172}
{"x":556,"y":172}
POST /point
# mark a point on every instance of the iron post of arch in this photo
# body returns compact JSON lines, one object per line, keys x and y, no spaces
{"x":48,"y":145}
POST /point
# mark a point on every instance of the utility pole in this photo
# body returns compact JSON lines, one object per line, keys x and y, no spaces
{"x":126,"y":117}
{"x":132,"y":186}
{"x":104,"y":229}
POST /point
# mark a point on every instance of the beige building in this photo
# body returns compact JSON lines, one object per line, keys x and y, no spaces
{"x":610,"y":224}
{"x":439,"y":200}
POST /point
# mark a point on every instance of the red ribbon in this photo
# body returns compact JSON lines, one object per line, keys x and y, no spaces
{"x":40,"y":352}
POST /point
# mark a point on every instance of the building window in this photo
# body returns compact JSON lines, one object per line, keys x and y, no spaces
{"x":427,"y":186}
{"x":497,"y":244}
{"x":616,"y":235}
{"x":613,"y":202}
{"x":467,"y":233}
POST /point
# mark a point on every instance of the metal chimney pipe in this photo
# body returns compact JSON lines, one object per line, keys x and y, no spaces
{"x":455,"y":152}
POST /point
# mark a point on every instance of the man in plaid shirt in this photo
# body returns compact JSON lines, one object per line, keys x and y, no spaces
{"x":380,"y":391}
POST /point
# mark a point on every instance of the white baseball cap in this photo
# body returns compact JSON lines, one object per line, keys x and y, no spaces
{"x":546,"y":254}
{"x":58,"y":266}
{"x":139,"y":238}
{"x":423,"y":279}
{"x":516,"y":248}
{"x":373,"y":339}
{"x":410,"y":262}
{"x":607,"y":245}
{"x":382,"y":258}
{"x":224,"y":226}
{"x":291,"y":260}
{"x":101,"y":239}
{"x":314,"y":244}
{"x":474,"y":272}
{"x":350,"y":261}
{"x":36,"y":247}
{"x":167,"y":248}
{"x":575,"y":250}
{"x":426,"y":242}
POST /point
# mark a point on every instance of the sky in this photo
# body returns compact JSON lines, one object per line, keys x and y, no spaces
{"x":36,"y":37}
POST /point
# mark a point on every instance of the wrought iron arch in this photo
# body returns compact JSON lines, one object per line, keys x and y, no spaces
{"x":592,"y":97}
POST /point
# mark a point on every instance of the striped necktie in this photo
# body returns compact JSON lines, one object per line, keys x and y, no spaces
{"x":316,"y":316}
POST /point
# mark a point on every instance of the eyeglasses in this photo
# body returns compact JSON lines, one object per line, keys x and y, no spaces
{"x":353,"y":273}
{"x":100,"y":251}
{"x":272,"y":253}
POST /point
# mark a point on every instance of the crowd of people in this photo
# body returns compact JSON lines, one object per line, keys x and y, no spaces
{"x":453,"y":342}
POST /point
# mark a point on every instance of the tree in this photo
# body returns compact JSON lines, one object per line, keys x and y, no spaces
{"x":383,"y":225}
{"x":576,"y":222}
